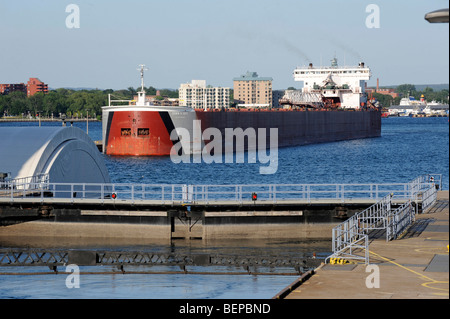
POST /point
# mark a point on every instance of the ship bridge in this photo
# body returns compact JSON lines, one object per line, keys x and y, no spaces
{"x":344,"y":85}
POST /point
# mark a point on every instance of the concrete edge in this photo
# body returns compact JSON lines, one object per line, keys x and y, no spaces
{"x":297,"y":283}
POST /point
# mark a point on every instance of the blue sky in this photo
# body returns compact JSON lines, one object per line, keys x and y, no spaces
{"x":182,"y":40}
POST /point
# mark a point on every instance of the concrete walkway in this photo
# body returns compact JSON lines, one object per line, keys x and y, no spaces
{"x":412,"y":267}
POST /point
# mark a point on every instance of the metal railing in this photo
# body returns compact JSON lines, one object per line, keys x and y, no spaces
{"x":399,"y":220}
{"x":350,"y":239}
{"x":29,"y":183}
{"x":39,"y":187}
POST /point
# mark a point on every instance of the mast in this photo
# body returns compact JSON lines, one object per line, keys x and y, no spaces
{"x":141,"y":93}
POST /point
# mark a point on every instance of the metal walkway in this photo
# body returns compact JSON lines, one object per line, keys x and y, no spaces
{"x":32,"y":190}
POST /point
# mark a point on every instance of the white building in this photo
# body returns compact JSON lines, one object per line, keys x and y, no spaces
{"x":199,"y":96}
{"x":344,"y":85}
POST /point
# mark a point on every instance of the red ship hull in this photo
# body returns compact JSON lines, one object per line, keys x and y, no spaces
{"x":133,"y":131}
{"x":136,"y":133}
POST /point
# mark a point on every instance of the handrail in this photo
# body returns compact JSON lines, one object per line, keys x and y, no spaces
{"x":38,"y":181}
{"x":399,"y":220}
{"x":203,"y":194}
{"x":348,"y":235}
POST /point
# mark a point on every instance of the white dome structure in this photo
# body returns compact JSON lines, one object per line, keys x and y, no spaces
{"x":66,"y":154}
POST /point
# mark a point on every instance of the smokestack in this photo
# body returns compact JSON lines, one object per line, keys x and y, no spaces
{"x":378,"y":84}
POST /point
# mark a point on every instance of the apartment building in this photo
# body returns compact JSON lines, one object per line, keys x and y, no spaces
{"x":33,"y":86}
{"x":9,"y":88}
{"x":200,"y":96}
{"x":250,"y":90}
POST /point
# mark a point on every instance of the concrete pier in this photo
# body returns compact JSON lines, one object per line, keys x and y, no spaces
{"x":412,"y":267}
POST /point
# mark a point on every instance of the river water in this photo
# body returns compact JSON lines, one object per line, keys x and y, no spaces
{"x":407,"y":148}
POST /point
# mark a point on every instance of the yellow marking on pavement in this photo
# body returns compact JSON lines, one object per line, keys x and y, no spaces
{"x":432,"y":250}
{"x":430,"y":281}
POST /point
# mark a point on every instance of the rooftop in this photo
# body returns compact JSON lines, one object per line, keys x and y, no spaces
{"x":252,"y":76}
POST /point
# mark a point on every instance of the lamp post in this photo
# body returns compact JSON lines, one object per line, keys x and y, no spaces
{"x":438,"y":16}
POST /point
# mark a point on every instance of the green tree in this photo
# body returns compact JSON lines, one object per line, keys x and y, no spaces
{"x":169,"y":93}
{"x":406,"y":89}
{"x":150,"y":90}
{"x":2,"y":105}
{"x":132,"y":91}
{"x":17,"y":103}
{"x":385,"y":100}
{"x":37,"y":103}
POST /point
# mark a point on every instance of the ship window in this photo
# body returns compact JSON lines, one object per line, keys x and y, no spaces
{"x":125,"y":132}
{"x":143,"y":132}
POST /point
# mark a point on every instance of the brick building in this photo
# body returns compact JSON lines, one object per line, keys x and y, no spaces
{"x":385,"y":91}
{"x":33,"y":86}
{"x":250,"y":90}
{"x":9,"y":88}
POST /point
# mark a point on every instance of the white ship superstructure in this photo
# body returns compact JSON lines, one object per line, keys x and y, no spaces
{"x":343,"y":86}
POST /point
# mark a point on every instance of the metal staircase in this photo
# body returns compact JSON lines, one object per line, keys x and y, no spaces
{"x":350,"y":239}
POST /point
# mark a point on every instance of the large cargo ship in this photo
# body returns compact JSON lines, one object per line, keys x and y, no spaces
{"x":332,"y":106}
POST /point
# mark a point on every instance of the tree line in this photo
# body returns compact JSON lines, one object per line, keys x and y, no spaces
{"x":81,"y":103}
{"x":67,"y":102}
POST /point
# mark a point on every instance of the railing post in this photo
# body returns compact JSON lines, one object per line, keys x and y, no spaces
{"x":308,"y":195}
{"x":173,"y":190}
{"x":274,"y":193}
{"x":366,"y":244}
{"x":240,"y":194}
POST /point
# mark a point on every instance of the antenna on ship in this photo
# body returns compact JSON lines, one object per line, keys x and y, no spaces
{"x":334,"y":61}
{"x":141,"y":94}
{"x":142,"y":69}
